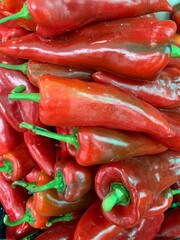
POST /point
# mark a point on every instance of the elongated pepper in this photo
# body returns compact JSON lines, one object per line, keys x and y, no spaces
{"x":127,"y":194}
{"x":60,"y":97}
{"x":57,"y":17}
{"x":140,"y":53}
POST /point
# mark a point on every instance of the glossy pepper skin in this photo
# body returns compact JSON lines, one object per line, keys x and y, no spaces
{"x":175,"y":16}
{"x":12,"y":6}
{"x":9,"y":137}
{"x":47,"y":203}
{"x":163,"y":91}
{"x":57,"y":17}
{"x":170,"y":228}
{"x":135,"y":54}
{"x":32,"y":176}
{"x":42,"y":150}
{"x":93,"y":225}
{"x":17,"y":163}
{"x":147,"y":228}
{"x":66,"y":98}
{"x":161,"y":171}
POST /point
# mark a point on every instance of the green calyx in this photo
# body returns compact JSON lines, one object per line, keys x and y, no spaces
{"x":118,"y":195}
{"x":7,"y":167}
{"x":70,"y":138}
{"x":58,"y":182}
{"x":28,"y":217}
{"x":23,"y":13}
{"x":63,"y":218}
{"x":22,"y":67}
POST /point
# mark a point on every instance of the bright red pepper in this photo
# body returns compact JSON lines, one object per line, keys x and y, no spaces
{"x":134,"y":186}
{"x":58,"y":17}
{"x":91,"y":144}
{"x":9,"y":138}
{"x":102,"y":106}
{"x":162,"y":92}
{"x":12,"y":6}
{"x":140,"y":53}
{"x":147,"y":229}
{"x":93,"y":225}
{"x":33,"y":175}
{"x":175,"y":16}
{"x":170,"y":228}
{"x":17,"y":163}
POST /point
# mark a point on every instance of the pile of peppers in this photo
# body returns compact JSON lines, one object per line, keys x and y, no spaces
{"x":89,"y":120}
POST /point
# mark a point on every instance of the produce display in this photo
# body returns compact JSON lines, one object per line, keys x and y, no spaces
{"x":89,"y":120}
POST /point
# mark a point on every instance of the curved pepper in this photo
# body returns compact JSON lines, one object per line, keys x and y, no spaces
{"x":93,"y":225}
{"x":58,"y":17}
{"x":17,"y":163}
{"x":163,"y":91}
{"x":60,"y":97}
{"x":32,"y":176}
{"x":136,"y":54}
{"x":35,"y":69}
{"x":123,"y":183}
{"x":91,"y":143}
{"x":175,"y":16}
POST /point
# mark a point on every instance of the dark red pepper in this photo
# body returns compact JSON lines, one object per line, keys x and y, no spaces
{"x":175,"y":16}
{"x":17,"y":163}
{"x":59,"y":17}
{"x":32,"y":176}
{"x":176,"y":186}
{"x":102,"y":106}
{"x":134,"y":186}
{"x":162,"y":91}
{"x":140,"y":53}
{"x":95,"y":145}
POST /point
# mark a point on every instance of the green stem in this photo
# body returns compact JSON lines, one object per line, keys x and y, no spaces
{"x":23,"y":13}
{"x":175,"y":51}
{"x":58,"y":182}
{"x":28,"y":217}
{"x":17,"y":94}
{"x":118,"y":195}
{"x":65,"y":217}
{"x":175,"y":191}
{"x":27,"y":185}
{"x":22,"y":67}
{"x":175,"y":205}
{"x":70,"y":138}
{"x":7,"y":167}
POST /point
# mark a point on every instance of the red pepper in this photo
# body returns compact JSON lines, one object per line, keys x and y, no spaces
{"x":9,"y":138}
{"x":35,"y":69}
{"x":136,"y":54}
{"x":17,"y":163}
{"x":170,"y":228}
{"x":93,"y":225}
{"x":91,"y":143}
{"x":176,"y":186}
{"x":33,"y":175}
{"x":42,"y":150}
{"x":175,"y":16}
{"x":147,"y":229}
{"x":71,"y":180}
{"x":102,"y":106}
{"x":30,"y":216}
{"x":59,"y":17}
{"x":12,"y":6}
{"x":162,"y":91}
{"x":134,"y":186}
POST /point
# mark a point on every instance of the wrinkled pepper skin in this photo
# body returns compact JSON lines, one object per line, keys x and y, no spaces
{"x":147,"y":228}
{"x":136,"y":54}
{"x":65,"y":98}
{"x":163,"y":91}
{"x":161,"y":171}
{"x":101,"y":145}
{"x":93,"y":225}
{"x":64,"y":230}
{"x":57,"y":17}
{"x":21,"y":162}
{"x":9,"y":137}
{"x":42,"y":150}
{"x":170,"y":228}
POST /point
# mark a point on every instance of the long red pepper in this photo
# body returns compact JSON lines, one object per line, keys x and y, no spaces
{"x":104,"y":46}
{"x":60,"y":97}
{"x":126,"y":185}
{"x":35,"y":69}
{"x":32,"y":176}
{"x":91,"y":143}
{"x":17,"y":163}
{"x":163,"y":91}
{"x":58,"y":17}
